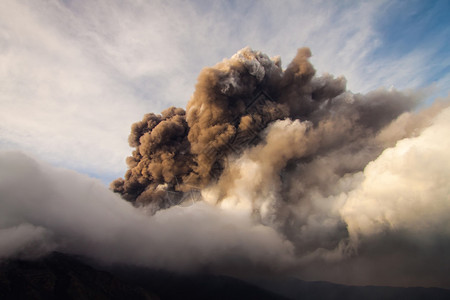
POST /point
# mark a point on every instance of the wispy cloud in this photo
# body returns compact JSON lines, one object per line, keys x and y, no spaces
{"x":75,"y":74}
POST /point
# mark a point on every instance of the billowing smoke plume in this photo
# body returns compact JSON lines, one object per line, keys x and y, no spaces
{"x":162,"y":156}
{"x":267,"y":170}
{"x":234,"y":102}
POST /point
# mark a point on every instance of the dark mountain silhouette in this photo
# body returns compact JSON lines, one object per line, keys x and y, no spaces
{"x":297,"y":289}
{"x":61,"y":276}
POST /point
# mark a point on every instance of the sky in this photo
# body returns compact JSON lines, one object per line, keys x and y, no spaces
{"x":74,"y":75}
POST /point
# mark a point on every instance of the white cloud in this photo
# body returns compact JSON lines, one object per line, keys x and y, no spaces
{"x":61,"y":210}
{"x":406,"y":188}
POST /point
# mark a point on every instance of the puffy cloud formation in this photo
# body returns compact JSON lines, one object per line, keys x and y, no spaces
{"x":267,"y":171}
{"x":406,"y":188}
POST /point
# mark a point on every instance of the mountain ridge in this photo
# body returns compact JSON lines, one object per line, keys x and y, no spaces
{"x":62,"y":276}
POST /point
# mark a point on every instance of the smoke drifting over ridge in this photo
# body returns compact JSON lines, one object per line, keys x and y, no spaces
{"x":291,"y":174}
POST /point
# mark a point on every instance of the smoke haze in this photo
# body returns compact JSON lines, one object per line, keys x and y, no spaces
{"x":267,"y":170}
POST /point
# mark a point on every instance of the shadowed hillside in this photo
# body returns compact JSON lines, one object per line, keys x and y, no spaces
{"x":60,"y":276}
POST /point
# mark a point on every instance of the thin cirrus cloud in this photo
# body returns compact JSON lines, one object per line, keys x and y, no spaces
{"x":76,"y":74}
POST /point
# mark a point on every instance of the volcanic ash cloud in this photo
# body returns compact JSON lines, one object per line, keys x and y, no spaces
{"x":267,"y":171}
{"x":294,"y":152}
{"x":231,"y":109}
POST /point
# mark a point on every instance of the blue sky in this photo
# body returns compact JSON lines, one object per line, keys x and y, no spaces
{"x":74,"y":75}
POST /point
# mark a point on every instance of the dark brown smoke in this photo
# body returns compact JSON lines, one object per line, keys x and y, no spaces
{"x":162,"y":157}
{"x":233,"y":103}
